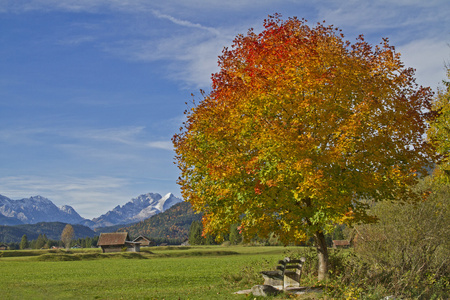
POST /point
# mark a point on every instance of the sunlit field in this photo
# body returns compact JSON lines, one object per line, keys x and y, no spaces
{"x":154,"y":273}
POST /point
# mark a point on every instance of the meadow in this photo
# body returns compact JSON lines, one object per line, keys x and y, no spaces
{"x":201,"y":272}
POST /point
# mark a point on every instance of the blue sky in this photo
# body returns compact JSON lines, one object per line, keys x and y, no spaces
{"x":91,"y":91}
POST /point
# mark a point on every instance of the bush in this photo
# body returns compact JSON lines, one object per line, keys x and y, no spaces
{"x":226,"y":244}
{"x":408,"y":249}
{"x":406,"y":254}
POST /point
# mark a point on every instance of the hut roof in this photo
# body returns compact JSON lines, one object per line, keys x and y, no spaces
{"x":341,"y":242}
{"x":142,"y":237}
{"x":115,"y":238}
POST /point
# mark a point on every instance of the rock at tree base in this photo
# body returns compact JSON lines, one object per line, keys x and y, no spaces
{"x":264,"y":290}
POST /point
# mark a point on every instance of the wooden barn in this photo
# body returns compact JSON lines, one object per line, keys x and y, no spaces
{"x":117,"y":242}
{"x":144,"y":241}
{"x":341,"y":244}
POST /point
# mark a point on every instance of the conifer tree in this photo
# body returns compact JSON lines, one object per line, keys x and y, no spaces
{"x":195,"y":233}
{"x":40,"y":242}
{"x":24,"y":242}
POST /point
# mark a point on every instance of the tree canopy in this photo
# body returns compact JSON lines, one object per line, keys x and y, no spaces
{"x":24,"y":242}
{"x":299,"y":129}
{"x":67,"y":235}
{"x":439,"y":132}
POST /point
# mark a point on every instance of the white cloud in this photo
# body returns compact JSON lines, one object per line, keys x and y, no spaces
{"x":89,"y":196}
{"x":24,"y":136}
{"x":376,"y":15}
{"x":77,"y":40}
{"x":184,"y":23}
{"x":428,"y":57}
{"x":190,"y":51}
{"x":187,"y":59}
{"x":128,"y":5}
{"x":199,"y":62}
{"x":129,"y":136}
{"x":166,"y":145}
{"x":98,"y":153}
{"x":416,"y":28}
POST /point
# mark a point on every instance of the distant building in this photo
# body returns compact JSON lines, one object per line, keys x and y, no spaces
{"x":341,"y":244}
{"x":144,"y":241}
{"x":3,"y":247}
{"x":117,"y":242}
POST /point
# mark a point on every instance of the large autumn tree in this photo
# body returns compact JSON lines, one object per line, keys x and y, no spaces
{"x":299,"y":130}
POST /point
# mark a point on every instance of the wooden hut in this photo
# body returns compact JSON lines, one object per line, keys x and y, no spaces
{"x":144,"y":241}
{"x":3,"y":247}
{"x":116,"y":242}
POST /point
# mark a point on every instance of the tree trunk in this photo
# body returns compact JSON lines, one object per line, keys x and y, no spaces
{"x":322,"y":253}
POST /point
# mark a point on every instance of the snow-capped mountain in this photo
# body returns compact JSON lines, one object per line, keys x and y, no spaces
{"x":37,"y":209}
{"x":138,"y":209}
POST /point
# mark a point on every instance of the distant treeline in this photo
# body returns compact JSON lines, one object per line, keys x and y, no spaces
{"x":42,"y":242}
{"x":52,"y":230}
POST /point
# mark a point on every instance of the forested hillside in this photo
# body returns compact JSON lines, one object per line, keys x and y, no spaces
{"x":9,"y":221}
{"x":174,"y":223}
{"x":53,"y":230}
{"x":113,"y":228}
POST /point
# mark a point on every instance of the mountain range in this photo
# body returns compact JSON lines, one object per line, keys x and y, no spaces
{"x":39,"y":209}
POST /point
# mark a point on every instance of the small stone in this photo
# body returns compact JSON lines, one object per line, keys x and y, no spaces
{"x":264,"y":290}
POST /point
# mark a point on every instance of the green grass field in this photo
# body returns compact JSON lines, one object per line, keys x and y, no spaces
{"x":208,"y":272}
